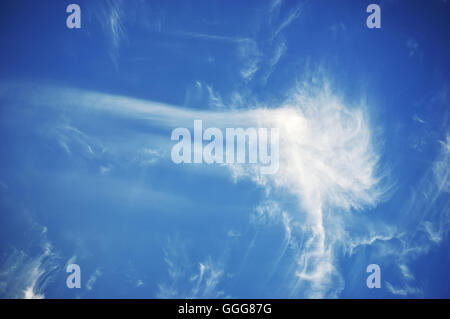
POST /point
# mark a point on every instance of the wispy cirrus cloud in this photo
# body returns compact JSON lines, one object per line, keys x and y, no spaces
{"x":93,"y":278}
{"x":247,"y":50}
{"x":286,"y":21}
{"x":328,"y":163}
{"x":428,"y":209}
{"x":188,"y":279}
{"x":110,"y":15}
{"x":405,"y":291}
{"x":26,"y":273}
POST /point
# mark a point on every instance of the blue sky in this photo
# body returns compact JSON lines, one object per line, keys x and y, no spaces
{"x":86,"y":175}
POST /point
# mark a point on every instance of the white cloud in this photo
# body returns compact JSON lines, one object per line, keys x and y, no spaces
{"x":291,"y":17}
{"x":412,"y":46}
{"x":279,"y":51}
{"x":327,"y":159}
{"x":26,"y":275}
{"x":247,"y":50}
{"x":187,"y":279}
{"x":105,"y":169}
{"x":250,"y":55}
{"x":93,"y":278}
{"x":29,"y":293}
{"x":70,"y":138}
{"x":201,"y":93}
{"x":233,"y":233}
{"x":329,"y":162}
{"x":275,"y":5}
{"x":110,"y":15}
{"x":406,"y":272}
{"x":206,"y":280}
{"x":215,"y":100}
{"x":147,"y":156}
{"x":441,"y":167}
{"x":429,"y":209}
{"x":405,"y":291}
{"x":417,"y":119}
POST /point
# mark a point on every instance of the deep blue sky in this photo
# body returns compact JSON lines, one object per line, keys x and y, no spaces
{"x":86,"y":174}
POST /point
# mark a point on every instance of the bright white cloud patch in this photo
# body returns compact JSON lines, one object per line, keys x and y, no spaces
{"x":329,"y":163}
{"x":26,"y":275}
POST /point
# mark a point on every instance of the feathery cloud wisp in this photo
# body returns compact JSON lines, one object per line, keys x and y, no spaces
{"x":328,"y":162}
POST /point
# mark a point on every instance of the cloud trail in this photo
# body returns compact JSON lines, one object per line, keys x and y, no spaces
{"x":328,"y":161}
